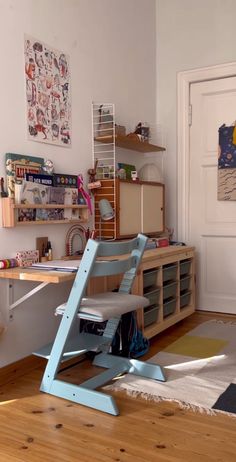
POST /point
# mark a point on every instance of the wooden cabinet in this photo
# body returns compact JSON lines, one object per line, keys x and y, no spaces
{"x":139,"y":207}
{"x":167,"y":279}
{"x":10,"y":213}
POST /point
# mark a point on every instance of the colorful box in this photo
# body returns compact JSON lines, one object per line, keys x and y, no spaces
{"x":27,"y":257}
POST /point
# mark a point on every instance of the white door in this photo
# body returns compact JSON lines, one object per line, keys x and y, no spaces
{"x":212,"y":223}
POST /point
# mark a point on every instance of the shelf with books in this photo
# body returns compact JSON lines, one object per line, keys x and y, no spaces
{"x":11,"y":213}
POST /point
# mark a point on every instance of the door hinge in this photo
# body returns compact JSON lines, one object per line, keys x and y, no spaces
{"x":190,"y":115}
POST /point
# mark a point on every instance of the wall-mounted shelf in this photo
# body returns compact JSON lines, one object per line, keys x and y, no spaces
{"x":126,"y":142}
{"x":10,"y":215}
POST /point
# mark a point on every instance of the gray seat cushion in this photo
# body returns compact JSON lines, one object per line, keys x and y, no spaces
{"x":101,"y":307}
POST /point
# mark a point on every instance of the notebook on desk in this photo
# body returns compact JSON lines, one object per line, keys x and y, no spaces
{"x":58,"y":265}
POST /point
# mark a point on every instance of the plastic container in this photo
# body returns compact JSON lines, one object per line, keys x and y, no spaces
{"x":149,"y":278}
{"x":185,"y":299}
{"x":169,"y":307}
{"x":150,"y":315}
{"x":184,"y":267}
{"x":185,"y":283}
{"x":169,"y":290}
{"x":153,"y":295}
{"x":169,"y":272}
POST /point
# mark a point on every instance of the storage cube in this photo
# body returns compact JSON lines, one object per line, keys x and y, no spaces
{"x":169,"y":272}
{"x":169,"y":290}
{"x":169,"y":307}
{"x":185,"y":283}
{"x":153,"y":295}
{"x":184,"y":267}
{"x":149,"y":277}
{"x":185,"y":299}
{"x":150,"y":315}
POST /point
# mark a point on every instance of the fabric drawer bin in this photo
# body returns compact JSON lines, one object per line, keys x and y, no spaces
{"x":169,"y":290}
{"x":184,"y":267}
{"x":185,"y":299}
{"x":169,"y":272}
{"x":149,"y":278}
{"x":169,"y":307}
{"x":150,"y":315}
{"x":184,"y":283}
{"x":153,"y":296}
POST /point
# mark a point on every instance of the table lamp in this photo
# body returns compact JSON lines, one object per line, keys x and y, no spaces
{"x":106,"y":213}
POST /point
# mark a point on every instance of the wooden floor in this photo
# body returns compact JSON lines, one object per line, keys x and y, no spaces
{"x":39,"y":427}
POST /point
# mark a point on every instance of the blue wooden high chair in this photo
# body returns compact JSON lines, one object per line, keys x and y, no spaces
{"x":109,"y":306}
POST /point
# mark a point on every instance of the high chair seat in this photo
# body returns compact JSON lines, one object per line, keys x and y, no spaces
{"x":101,"y":307}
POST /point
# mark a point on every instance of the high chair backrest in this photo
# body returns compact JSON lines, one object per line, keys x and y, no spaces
{"x":106,"y":258}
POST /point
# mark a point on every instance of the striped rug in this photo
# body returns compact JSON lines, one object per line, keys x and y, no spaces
{"x":200,"y":368}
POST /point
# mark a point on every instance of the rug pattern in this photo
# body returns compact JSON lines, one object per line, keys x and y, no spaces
{"x":200,"y":368}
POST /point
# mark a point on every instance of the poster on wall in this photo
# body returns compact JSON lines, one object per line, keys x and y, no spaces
{"x":227,"y":163}
{"x":47,"y":77}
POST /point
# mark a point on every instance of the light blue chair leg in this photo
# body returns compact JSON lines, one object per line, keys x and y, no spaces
{"x":79,"y":394}
{"x":143,"y":369}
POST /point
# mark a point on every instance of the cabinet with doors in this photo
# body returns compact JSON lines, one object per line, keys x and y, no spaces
{"x":139,"y":207}
{"x":167,"y":279}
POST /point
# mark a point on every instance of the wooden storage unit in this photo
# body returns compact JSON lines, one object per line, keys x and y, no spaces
{"x":167,"y":279}
{"x":10,"y":213}
{"x":139,"y":207}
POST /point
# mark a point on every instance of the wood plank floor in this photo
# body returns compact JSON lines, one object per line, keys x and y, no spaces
{"x":37,"y":427}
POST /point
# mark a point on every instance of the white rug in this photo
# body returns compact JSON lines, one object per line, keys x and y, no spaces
{"x":200,"y":368}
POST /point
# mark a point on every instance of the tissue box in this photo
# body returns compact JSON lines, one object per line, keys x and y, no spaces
{"x":27,"y":257}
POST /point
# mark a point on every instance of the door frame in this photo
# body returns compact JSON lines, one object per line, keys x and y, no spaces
{"x":184,"y":80}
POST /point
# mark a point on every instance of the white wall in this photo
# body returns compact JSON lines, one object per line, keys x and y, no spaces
{"x":112,"y":49}
{"x":190,"y":34}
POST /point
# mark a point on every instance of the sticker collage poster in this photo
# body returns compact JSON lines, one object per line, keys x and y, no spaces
{"x":47,"y":75}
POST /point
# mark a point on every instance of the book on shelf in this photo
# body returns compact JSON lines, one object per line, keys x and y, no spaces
{"x":71,"y":198}
{"x":56,"y":195}
{"x":29,"y":192}
{"x":40,"y":178}
{"x":65,"y":180}
{"x":17,"y":165}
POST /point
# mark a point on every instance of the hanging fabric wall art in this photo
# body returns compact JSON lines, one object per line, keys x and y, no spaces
{"x":47,"y":76}
{"x":227,"y":163}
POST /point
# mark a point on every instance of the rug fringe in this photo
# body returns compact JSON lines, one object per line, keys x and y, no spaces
{"x":181,"y":404}
{"x":221,"y":321}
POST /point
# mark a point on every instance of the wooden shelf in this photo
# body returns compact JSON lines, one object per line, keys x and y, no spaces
{"x":127,"y":142}
{"x":9,"y":213}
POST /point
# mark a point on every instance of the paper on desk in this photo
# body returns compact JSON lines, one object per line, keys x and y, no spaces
{"x":61,"y":265}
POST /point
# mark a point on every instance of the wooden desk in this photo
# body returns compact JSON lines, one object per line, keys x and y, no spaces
{"x":28,"y":274}
{"x":155,"y":259}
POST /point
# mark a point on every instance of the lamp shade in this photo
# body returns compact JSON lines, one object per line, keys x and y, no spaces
{"x":106,"y":210}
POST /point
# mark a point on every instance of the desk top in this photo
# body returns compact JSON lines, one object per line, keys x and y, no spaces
{"x":28,"y":274}
{"x":56,"y":277}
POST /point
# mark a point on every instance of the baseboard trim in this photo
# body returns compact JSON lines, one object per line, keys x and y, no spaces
{"x":22,"y":367}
